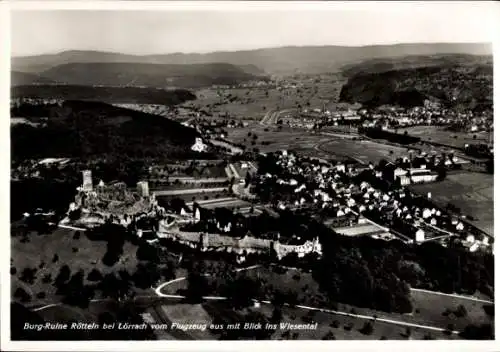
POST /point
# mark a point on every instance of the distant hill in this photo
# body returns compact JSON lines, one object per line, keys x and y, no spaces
{"x":93,"y":129}
{"x":454,"y":85}
{"x":284,"y":60}
{"x":147,"y":75}
{"x":409,"y":62}
{"x":111,"y":95}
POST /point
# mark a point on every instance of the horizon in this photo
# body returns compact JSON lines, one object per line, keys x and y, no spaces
{"x":490,"y":44}
{"x":224,"y":29}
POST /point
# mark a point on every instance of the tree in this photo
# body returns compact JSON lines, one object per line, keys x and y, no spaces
{"x":94,"y":275}
{"x":335,"y":324}
{"x":47,"y":278}
{"x":367,"y":329}
{"x":114,"y":287}
{"x":329,"y":336}
{"x":62,"y":277}
{"x":22,"y":295}
{"x":146,"y":275}
{"x":461,"y":311}
{"x":478,"y":332}
{"x":76,"y":293}
{"x":197,"y":286}
{"x":28,"y":275}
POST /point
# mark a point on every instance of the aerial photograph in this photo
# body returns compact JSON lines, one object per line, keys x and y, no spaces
{"x":270,"y":174}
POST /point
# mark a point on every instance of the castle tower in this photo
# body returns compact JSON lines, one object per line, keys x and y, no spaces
{"x":87,"y":181}
{"x":143,"y":188}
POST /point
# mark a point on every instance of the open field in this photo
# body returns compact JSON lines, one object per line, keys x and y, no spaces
{"x":363,"y":151}
{"x":345,"y":327}
{"x":471,"y":192}
{"x":252,"y":103}
{"x":440,"y":135}
{"x":271,"y":139}
{"x":39,"y":253}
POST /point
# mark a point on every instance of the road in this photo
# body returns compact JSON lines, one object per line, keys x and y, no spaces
{"x":271,"y":117}
{"x":331,"y":311}
{"x":470,"y":298}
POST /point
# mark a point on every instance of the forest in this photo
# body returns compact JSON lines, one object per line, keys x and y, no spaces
{"x":83,"y":129}
{"x":111,"y":95}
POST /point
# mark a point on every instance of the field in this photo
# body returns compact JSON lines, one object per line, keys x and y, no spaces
{"x":440,"y":135}
{"x":363,"y":151}
{"x":271,"y":139}
{"x":39,"y":253}
{"x":471,"y":192}
{"x":252,"y":103}
{"x":429,"y":310}
{"x":428,"y":307}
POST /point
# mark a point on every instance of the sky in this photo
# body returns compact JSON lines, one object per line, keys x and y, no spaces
{"x":230,"y":29}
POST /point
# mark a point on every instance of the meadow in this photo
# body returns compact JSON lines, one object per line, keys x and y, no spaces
{"x":440,"y":135}
{"x":471,"y":192}
{"x":252,"y":103}
{"x":78,"y":253}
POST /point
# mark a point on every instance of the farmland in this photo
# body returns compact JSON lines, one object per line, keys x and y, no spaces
{"x":272,"y":139}
{"x":442,"y":136}
{"x":471,"y":192}
{"x":251,"y":103}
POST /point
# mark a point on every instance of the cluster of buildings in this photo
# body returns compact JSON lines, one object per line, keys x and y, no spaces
{"x":138,"y":210}
{"x":16,"y":102}
{"x":352,"y":198}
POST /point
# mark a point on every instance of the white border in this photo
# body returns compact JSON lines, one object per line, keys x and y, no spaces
{"x":491,"y":10}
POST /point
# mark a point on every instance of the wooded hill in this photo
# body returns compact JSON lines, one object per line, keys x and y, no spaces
{"x":93,"y":129}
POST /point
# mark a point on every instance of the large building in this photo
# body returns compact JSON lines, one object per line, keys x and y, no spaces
{"x":417,"y":176}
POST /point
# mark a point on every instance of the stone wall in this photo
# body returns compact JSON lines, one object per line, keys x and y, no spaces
{"x":217,"y":242}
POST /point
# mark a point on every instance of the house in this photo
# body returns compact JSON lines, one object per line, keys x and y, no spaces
{"x":420,"y":235}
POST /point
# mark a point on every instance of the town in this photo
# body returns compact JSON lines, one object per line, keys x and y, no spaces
{"x":286,"y":193}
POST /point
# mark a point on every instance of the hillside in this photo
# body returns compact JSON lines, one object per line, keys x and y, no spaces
{"x":460,"y":86}
{"x":111,"y":95}
{"x":284,"y":60}
{"x":93,"y":129}
{"x":411,"y":62}
{"x":23,"y":78}
{"x":147,"y":75}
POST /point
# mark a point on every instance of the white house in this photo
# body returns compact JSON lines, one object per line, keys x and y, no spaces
{"x":420,"y":235}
